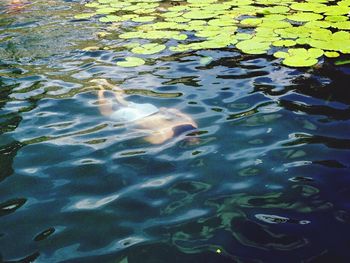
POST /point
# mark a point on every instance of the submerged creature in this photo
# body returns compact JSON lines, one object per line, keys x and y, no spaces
{"x":163,"y":123}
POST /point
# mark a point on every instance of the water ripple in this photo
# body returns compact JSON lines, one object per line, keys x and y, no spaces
{"x":271,"y":151}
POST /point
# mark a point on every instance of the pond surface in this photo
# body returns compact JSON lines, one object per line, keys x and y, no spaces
{"x":267,"y":179}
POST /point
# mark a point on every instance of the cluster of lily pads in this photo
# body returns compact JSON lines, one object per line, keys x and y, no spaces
{"x":300,"y":33}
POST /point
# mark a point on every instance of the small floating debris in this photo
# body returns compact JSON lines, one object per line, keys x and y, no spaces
{"x":273,"y":219}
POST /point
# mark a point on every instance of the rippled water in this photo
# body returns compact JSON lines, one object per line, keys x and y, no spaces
{"x":267,"y":181}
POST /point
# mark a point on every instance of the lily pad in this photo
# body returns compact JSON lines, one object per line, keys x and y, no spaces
{"x":143,"y":19}
{"x":331,"y":54}
{"x":148,"y":49}
{"x":300,"y":57}
{"x":131,"y":62}
{"x":311,"y":7}
{"x":253,"y":47}
{"x":295,"y":61}
{"x":284,"y":43}
{"x":304,"y":17}
{"x":254,"y":26}
{"x":199,"y":14}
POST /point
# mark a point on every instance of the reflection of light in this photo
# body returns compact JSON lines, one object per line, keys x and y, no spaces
{"x":93,"y":203}
{"x":129,"y":241}
{"x":241,"y":185}
{"x":157,"y":182}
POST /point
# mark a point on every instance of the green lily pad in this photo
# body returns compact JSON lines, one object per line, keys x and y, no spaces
{"x":295,"y":61}
{"x":142,"y":19}
{"x":342,"y":25}
{"x":335,"y":10}
{"x":251,"y":21}
{"x":253,"y":47}
{"x":280,"y":54}
{"x":331,"y":54}
{"x":321,"y":33}
{"x":341,"y":35}
{"x":106,"y":10}
{"x":317,"y":24}
{"x":336,"y":18}
{"x":303,"y":41}
{"x":222,"y":22}
{"x":315,"y":52}
{"x":131,"y":62}
{"x":277,"y":17}
{"x":199,"y":14}
{"x":284,"y":43}
{"x":304,"y":17}
{"x":300,"y":57}
{"x":254,"y":26}
{"x":243,"y":36}
{"x":148,"y":49}
{"x":279,"y":9}
{"x":310,"y":7}
{"x":179,"y":19}
{"x":109,"y":19}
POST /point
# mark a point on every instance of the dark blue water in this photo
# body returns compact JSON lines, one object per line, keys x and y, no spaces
{"x":267,"y":181}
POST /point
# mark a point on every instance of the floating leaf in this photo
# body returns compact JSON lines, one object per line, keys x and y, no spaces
{"x":297,"y":61}
{"x":253,"y":25}
{"x":284,"y":43}
{"x":199,"y":14}
{"x":106,"y":10}
{"x":243,"y":36}
{"x":280,"y":54}
{"x":304,"y":17}
{"x":336,"y":18}
{"x":252,"y":47}
{"x":143,"y":19}
{"x":335,"y":10}
{"x":131,"y":62}
{"x":311,"y":7}
{"x":342,"y":25}
{"x":331,"y":54}
{"x":278,"y":9}
{"x":300,"y":57}
{"x":315,"y":52}
{"x":148,"y":49}
{"x":251,"y":21}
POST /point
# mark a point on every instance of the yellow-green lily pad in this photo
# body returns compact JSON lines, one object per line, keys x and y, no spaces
{"x":304,"y":17}
{"x":148,"y":49}
{"x":131,"y":62}
{"x":331,"y":54}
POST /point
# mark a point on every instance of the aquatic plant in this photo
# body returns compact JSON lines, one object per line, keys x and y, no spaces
{"x":131,"y":62}
{"x":290,"y":29}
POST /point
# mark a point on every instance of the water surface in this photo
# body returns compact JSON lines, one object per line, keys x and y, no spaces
{"x":267,"y":181}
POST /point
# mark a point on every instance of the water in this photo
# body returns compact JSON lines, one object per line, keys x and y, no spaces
{"x":267,"y":181}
